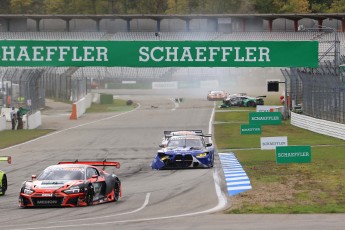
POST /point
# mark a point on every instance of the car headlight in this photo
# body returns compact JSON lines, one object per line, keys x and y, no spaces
{"x":28,"y":191}
{"x":201,"y":155}
{"x":164,"y":158}
{"x":72,"y":190}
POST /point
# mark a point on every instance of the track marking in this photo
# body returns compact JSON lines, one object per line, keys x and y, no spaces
{"x":74,"y":127}
{"x":222,"y":201}
{"x":147,"y":198}
{"x":236,"y":178}
{"x":221,"y":204}
{"x":146,"y":202}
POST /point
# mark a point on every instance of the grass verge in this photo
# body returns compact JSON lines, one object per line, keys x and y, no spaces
{"x":14,"y":137}
{"x":316,"y":187}
{"x":118,"y":105}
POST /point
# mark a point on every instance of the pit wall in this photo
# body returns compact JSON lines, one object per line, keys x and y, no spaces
{"x":79,"y":107}
{"x":33,"y":121}
{"x":2,"y":123}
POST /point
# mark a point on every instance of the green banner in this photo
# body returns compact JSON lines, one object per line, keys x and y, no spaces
{"x":159,"y":53}
{"x":293,"y":154}
{"x":250,"y":129}
{"x":265,"y":118}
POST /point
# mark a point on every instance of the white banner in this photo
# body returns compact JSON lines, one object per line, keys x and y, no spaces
{"x":129,"y":82}
{"x":268,"y":108}
{"x":165,"y":85}
{"x":272,"y":142}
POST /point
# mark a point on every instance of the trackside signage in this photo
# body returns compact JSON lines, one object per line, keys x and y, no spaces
{"x":250,"y":129}
{"x":293,"y":154}
{"x":268,"y":108}
{"x":272,"y":142}
{"x":159,"y":53}
{"x":265,"y":118}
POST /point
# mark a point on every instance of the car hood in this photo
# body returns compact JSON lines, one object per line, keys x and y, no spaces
{"x":53,"y":184}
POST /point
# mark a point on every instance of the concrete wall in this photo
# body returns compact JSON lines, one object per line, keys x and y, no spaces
{"x":85,"y":103}
{"x":33,"y":121}
{"x":2,"y":123}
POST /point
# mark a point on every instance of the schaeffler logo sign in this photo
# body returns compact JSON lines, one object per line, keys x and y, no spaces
{"x":293,"y":154}
{"x":265,"y":118}
{"x":159,"y":53}
{"x":268,"y":143}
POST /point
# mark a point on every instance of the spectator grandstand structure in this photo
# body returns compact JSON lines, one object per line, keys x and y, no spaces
{"x":319,"y":90}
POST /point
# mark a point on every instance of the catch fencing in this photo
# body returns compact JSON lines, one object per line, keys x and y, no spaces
{"x":319,"y":91}
{"x":28,"y":87}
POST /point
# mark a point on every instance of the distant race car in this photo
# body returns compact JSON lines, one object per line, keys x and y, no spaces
{"x":3,"y":177}
{"x":78,"y":183}
{"x":168,"y":134}
{"x":216,"y":95}
{"x":189,"y":151}
{"x":243,"y":100}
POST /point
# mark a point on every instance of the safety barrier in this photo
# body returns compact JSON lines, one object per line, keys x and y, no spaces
{"x":79,"y":107}
{"x":328,"y":128}
{"x":2,"y":123}
{"x":33,"y":120}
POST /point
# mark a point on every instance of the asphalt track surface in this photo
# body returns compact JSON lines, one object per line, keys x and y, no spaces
{"x":167,"y":199}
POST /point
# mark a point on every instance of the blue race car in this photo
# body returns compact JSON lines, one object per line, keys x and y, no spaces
{"x":189,"y":151}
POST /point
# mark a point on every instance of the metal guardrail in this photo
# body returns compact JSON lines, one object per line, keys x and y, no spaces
{"x":328,"y":128}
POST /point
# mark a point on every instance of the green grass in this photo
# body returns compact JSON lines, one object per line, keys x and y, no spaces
{"x":13,"y":137}
{"x":118,"y":105}
{"x":316,"y":187}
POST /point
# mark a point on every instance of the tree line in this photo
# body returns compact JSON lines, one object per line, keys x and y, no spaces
{"x":169,"y":6}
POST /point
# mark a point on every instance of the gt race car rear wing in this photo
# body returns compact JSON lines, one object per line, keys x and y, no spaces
{"x":8,"y":159}
{"x":197,"y":132}
{"x":93,"y":163}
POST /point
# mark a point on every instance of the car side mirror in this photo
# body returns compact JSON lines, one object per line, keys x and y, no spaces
{"x":33,"y":177}
{"x":161,"y":146}
{"x":208,"y":144}
{"x":94,"y":176}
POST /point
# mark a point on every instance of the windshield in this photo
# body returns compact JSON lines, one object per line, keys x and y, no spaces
{"x":62,"y":174}
{"x":185,"y":142}
{"x":217,"y":92}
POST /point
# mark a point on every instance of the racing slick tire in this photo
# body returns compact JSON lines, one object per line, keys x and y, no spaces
{"x":117,"y":189}
{"x":89,"y":195}
{"x":4,"y":185}
{"x":251,"y":104}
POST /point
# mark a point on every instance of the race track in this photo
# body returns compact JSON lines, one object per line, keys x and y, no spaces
{"x":168,"y":199}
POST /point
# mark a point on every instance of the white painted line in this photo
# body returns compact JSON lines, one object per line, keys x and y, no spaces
{"x":222,"y":201}
{"x":229,"y":162}
{"x":238,"y":174}
{"x":239,"y":188}
{"x":237,"y":178}
{"x":239,"y":182}
{"x":231,"y":168}
{"x":231,"y":171}
{"x":147,"y":198}
{"x":74,"y":127}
